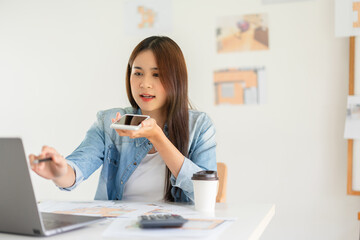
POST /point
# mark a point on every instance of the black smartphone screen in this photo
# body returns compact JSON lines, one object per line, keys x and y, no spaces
{"x":131,"y":120}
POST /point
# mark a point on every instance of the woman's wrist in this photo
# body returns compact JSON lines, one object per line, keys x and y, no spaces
{"x":158,"y":136}
{"x":172,"y":157}
{"x":67,"y":179}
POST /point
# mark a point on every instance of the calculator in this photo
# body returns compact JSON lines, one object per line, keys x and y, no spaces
{"x":161,"y":221}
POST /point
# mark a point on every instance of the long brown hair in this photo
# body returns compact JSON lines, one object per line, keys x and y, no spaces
{"x":173,"y":76}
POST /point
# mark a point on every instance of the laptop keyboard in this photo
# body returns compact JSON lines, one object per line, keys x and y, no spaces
{"x":55,"y":221}
{"x":50,"y":224}
{"x":52,"y":221}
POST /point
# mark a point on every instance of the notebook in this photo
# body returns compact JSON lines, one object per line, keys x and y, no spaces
{"x":19,"y":212}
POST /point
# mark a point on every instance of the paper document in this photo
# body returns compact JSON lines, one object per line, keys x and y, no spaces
{"x":118,"y":209}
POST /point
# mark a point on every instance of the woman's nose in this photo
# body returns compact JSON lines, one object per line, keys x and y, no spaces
{"x":146,"y":82}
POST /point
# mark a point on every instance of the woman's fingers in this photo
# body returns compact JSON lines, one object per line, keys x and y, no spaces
{"x":59,"y":160}
{"x":126,"y":133}
{"x":117,"y":117}
{"x":122,"y":132}
{"x":146,"y":130}
{"x":148,"y":122}
{"x":56,"y":167}
{"x":32,"y":158}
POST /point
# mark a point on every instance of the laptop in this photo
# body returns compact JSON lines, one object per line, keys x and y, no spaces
{"x":19,"y":212}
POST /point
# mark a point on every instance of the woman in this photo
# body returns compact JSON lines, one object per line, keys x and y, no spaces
{"x":158,"y":160}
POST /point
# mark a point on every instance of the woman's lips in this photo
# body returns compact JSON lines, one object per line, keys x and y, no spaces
{"x":146,"y":97}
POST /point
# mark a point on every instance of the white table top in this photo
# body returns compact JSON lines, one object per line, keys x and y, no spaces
{"x":252,"y":220}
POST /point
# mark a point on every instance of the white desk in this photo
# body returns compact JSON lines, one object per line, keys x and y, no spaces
{"x":252,"y":219}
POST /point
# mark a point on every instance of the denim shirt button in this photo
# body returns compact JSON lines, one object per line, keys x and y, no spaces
{"x":135,"y":163}
{"x":121,"y":182}
{"x":149,"y":143}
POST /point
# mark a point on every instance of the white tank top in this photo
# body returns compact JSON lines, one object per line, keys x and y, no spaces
{"x":147,"y":181}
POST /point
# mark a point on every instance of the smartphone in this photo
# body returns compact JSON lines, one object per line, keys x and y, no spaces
{"x":129,"y":122}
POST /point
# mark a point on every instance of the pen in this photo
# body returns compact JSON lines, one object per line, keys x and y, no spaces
{"x":41,"y":160}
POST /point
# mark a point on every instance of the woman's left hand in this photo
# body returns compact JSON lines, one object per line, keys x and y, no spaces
{"x":149,"y":129}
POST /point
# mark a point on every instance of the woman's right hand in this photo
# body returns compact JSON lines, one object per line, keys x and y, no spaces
{"x":53,"y":169}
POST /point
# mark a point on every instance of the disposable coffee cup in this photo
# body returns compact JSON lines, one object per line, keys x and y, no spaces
{"x":205,"y":190}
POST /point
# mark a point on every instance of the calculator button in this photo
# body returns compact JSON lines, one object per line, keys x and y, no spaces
{"x":161,"y":221}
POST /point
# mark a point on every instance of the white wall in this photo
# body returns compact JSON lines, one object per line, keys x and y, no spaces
{"x":62,"y":61}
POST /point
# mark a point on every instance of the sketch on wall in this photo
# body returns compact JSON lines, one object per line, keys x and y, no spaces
{"x":242,"y":33}
{"x":147,"y":17}
{"x":240,"y":86}
{"x":347,"y":18}
{"x":352,"y":123}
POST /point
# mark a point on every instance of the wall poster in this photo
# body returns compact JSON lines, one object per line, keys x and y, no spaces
{"x":147,"y":17}
{"x":242,"y":33}
{"x":242,"y":86}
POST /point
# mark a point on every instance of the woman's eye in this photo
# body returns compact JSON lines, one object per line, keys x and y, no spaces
{"x":137,"y":74}
{"x":156,"y":75}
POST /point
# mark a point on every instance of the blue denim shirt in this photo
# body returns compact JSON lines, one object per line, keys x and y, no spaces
{"x":119,"y":156}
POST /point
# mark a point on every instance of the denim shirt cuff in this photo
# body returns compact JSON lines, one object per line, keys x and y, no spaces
{"x":79,"y":177}
{"x":183,"y":179}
